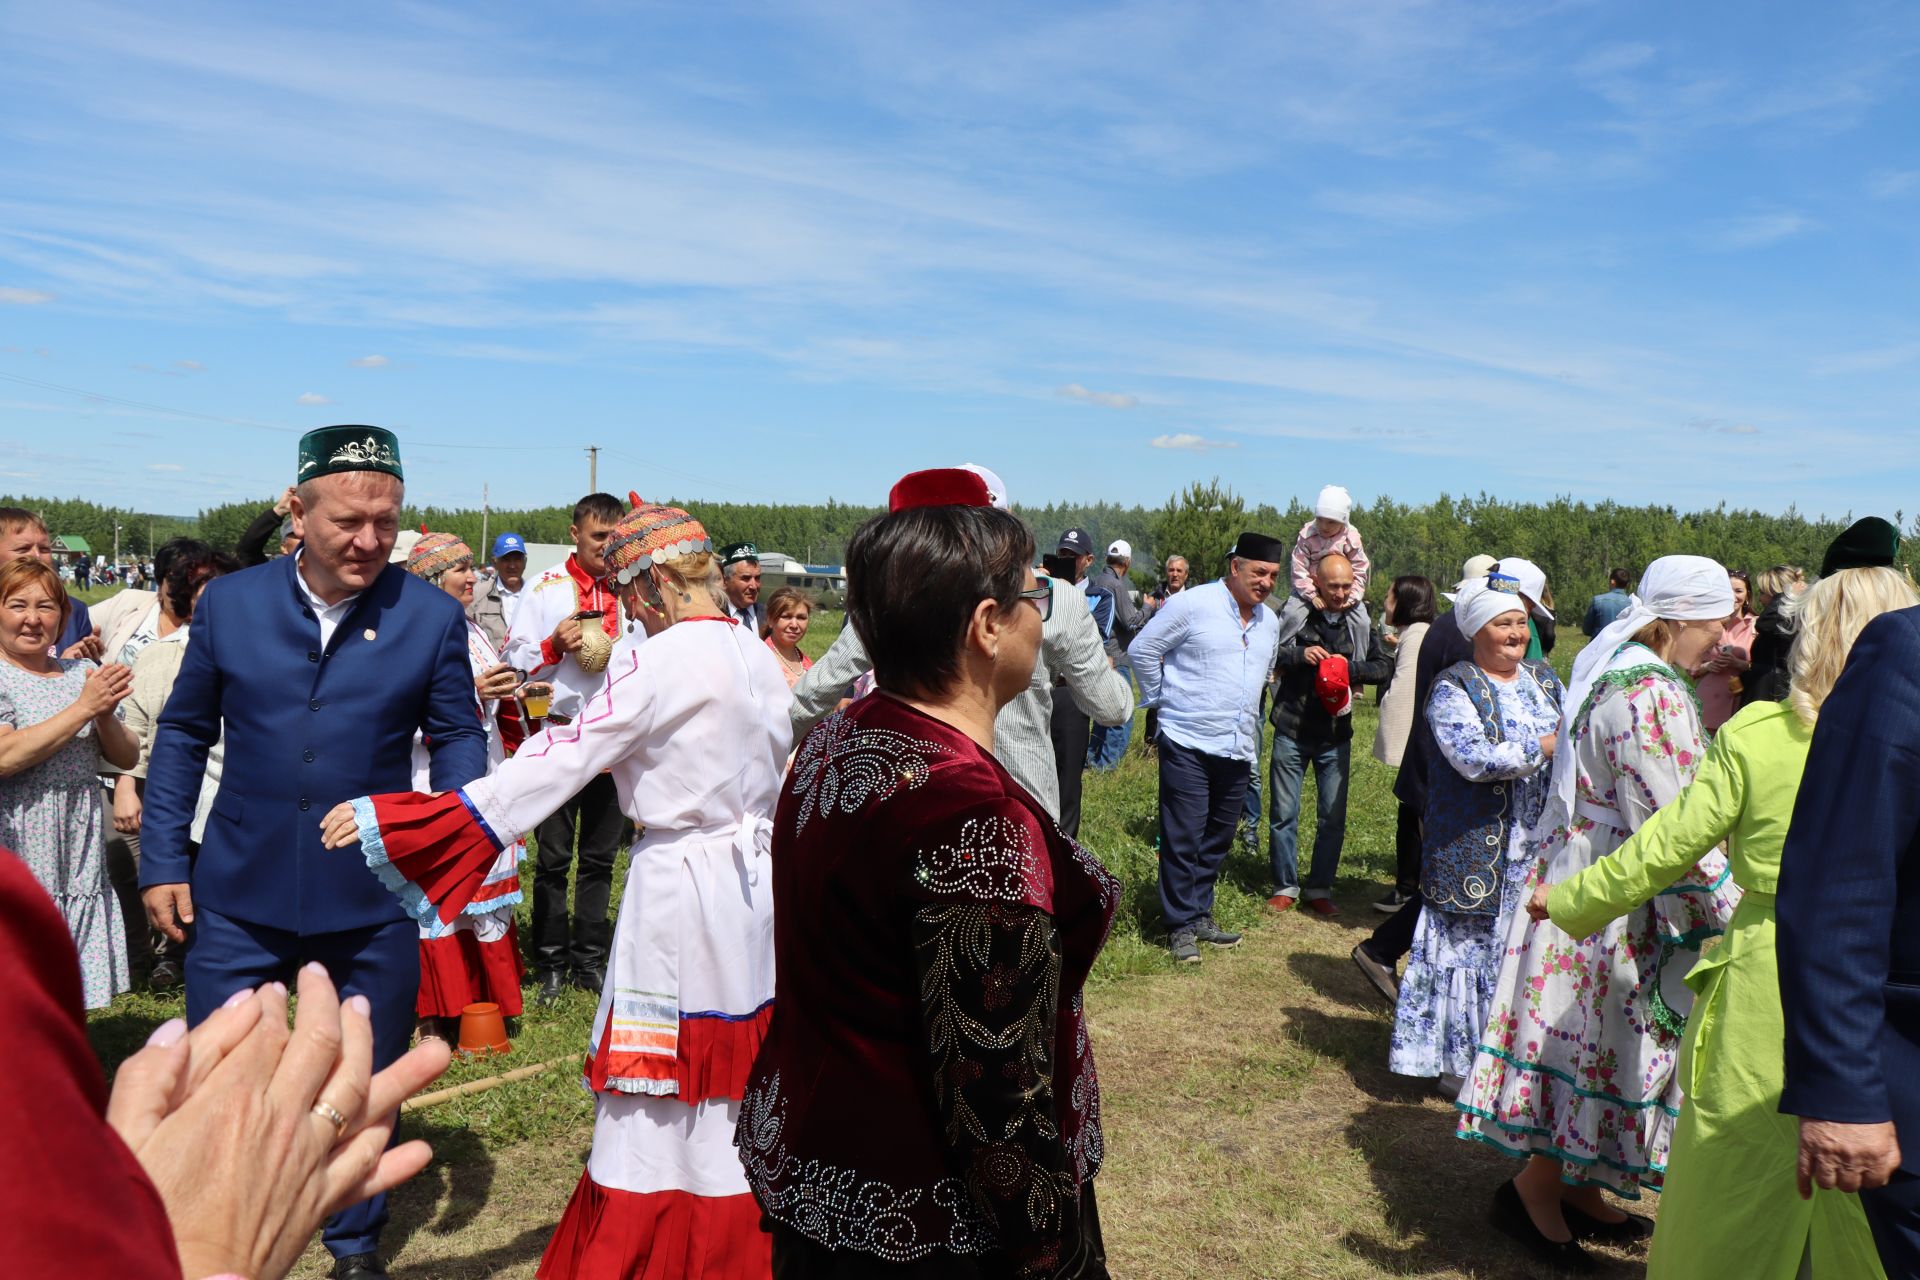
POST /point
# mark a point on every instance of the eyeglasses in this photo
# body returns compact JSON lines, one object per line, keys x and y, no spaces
{"x":1041,"y":598}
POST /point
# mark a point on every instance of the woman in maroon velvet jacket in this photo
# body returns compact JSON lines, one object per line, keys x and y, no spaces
{"x":925,"y":1103}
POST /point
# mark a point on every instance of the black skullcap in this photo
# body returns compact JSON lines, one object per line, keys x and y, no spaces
{"x":1868,"y":543}
{"x":1258,"y":546}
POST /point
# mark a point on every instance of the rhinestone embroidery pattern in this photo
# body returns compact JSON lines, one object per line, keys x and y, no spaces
{"x":843,"y":766}
{"x":835,"y":1207}
{"x":994,"y":861}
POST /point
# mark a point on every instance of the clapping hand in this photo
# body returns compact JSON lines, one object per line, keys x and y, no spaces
{"x":105,"y":689}
{"x":88,"y":647}
{"x":252,"y":1135}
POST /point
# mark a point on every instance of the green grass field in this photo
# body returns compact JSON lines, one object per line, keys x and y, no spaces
{"x":1252,"y":1127}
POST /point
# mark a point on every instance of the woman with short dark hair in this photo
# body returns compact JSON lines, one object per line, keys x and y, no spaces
{"x":933,"y":929}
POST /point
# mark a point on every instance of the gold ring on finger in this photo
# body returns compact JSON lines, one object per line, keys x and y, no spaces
{"x":332,"y":1115}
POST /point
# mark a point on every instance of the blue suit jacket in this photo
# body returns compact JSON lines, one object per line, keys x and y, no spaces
{"x":1849,"y":904}
{"x":305,"y":730}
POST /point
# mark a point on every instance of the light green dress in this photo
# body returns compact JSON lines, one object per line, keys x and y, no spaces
{"x":1730,"y":1204}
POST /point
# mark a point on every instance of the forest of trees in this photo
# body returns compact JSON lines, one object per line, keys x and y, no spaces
{"x":1575,"y":542}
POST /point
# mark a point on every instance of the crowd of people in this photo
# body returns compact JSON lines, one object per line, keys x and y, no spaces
{"x":1639,"y":953}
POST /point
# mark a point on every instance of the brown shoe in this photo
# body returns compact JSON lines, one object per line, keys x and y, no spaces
{"x":1379,"y":976}
{"x":1280,"y":902}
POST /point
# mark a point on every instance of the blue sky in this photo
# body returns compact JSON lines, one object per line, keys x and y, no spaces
{"x":1650,"y":252}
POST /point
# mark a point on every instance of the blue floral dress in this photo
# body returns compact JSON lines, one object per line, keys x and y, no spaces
{"x":1455,"y":962}
{"x":52,"y":817}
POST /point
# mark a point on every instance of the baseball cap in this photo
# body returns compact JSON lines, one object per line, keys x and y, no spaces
{"x":1077,"y":541}
{"x":508,"y":544}
{"x":1120,"y":549}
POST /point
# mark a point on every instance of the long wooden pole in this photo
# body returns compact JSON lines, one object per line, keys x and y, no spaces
{"x":420,"y":1102}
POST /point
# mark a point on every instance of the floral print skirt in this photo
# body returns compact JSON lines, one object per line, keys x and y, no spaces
{"x":1449,"y":984}
{"x":1577,"y":1058}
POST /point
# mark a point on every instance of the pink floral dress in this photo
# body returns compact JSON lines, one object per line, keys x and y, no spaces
{"x":1577,"y":1061}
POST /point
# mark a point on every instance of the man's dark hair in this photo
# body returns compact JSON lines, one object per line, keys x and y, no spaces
{"x":188,"y":565}
{"x":914,"y":579}
{"x":1620,"y":579}
{"x":1411,"y":600}
{"x":603,"y":507}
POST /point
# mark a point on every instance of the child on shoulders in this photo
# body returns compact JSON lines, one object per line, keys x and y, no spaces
{"x":1326,"y":533}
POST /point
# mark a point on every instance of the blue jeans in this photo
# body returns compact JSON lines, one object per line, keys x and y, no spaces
{"x":1108,"y":745}
{"x":1331,"y":763}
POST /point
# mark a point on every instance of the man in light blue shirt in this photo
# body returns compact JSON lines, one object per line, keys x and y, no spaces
{"x":1203,"y":661}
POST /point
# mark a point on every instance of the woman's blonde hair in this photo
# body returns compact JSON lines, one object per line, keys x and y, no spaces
{"x":1829,"y":617}
{"x":699,"y":571}
{"x":1769,"y":583}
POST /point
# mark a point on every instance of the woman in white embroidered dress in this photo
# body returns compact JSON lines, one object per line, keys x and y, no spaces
{"x":694,"y":727}
{"x":476,"y":957}
{"x":1575,"y":1070}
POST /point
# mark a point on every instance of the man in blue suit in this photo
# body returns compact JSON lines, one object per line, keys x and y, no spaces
{"x":1849,"y":930}
{"x":320,"y":667}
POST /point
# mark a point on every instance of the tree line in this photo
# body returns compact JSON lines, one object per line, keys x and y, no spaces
{"x":1577,"y":543}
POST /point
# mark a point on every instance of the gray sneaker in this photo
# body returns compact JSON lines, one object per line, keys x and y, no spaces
{"x":1185,"y":950}
{"x":1205,"y":930}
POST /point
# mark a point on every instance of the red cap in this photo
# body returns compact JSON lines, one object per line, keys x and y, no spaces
{"x":942,"y":487}
{"x":1332,"y":685}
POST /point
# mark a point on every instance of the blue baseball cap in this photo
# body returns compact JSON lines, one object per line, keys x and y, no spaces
{"x":508,"y":544}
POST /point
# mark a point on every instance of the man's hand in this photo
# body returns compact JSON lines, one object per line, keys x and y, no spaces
{"x":1537,"y":904}
{"x":566,"y":636}
{"x":1846,"y":1157}
{"x":166,"y":901}
{"x":126,"y":805}
{"x":284,"y":506}
{"x":1315,"y":656}
{"x":496,"y":681}
{"x":88,"y":647}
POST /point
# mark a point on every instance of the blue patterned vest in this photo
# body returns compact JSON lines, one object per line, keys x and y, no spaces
{"x":1467,"y":824}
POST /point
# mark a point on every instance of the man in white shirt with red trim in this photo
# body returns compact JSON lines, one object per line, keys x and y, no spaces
{"x":545,"y":642}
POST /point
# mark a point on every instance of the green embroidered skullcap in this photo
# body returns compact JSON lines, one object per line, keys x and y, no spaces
{"x":734,"y":553}
{"x":326,"y":450}
{"x":1868,"y":543}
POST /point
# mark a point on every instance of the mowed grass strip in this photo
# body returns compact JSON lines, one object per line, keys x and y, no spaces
{"x":1252,"y":1126}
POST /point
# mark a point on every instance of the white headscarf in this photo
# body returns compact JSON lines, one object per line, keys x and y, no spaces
{"x":1678,"y":588}
{"x":1479,"y":603}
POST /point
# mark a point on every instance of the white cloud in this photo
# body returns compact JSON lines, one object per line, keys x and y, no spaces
{"x":1106,"y":399}
{"x":1613,"y":59}
{"x":1756,"y":231}
{"x":23,"y":297}
{"x":312,"y":398}
{"x":165,"y":466}
{"x":1409,"y":207}
{"x":370,"y":362}
{"x":1888,"y":183}
{"x":189,"y":366}
{"x":1189,"y":442}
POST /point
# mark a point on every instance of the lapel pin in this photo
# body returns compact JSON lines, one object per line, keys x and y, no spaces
{"x":368,"y":633}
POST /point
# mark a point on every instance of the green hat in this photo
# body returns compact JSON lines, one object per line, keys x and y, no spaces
{"x":735,"y":552}
{"x":1868,"y":543}
{"x":326,"y":450}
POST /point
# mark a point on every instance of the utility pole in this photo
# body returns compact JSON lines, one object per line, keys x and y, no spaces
{"x":484,"y":544}
{"x":593,"y":468}
{"x":116,"y":546}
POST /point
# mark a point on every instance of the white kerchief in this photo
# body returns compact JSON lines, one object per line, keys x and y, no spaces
{"x":1678,"y":588}
{"x":1479,"y":603}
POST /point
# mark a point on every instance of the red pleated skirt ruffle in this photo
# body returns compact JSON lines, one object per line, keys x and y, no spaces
{"x":662,"y":1235}
{"x":714,"y":1057}
{"x":457,"y":969}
